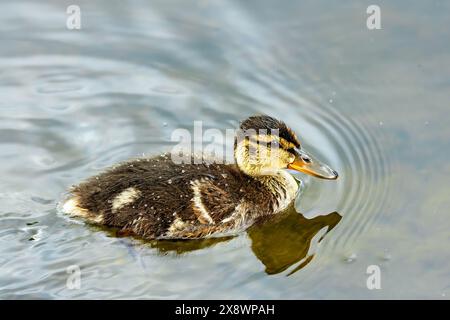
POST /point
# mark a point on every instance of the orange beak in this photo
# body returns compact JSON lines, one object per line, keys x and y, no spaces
{"x":306,"y":163}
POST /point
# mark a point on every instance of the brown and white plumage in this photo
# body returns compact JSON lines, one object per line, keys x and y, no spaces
{"x":154,"y":198}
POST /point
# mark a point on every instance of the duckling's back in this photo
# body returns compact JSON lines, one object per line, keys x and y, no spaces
{"x":155,"y":198}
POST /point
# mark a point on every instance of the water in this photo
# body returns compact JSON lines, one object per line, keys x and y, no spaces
{"x":372,"y":104}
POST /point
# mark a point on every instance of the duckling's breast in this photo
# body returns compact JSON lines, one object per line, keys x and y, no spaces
{"x":284,"y":187}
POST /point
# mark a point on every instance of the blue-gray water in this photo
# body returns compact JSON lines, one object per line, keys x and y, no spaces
{"x":374,"y":104}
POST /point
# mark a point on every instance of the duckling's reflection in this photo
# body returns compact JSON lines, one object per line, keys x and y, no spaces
{"x":278,"y":243}
{"x":286,"y":240}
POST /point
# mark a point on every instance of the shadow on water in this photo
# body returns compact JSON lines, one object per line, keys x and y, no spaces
{"x":278,"y":243}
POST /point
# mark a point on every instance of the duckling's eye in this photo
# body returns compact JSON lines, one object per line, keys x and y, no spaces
{"x":291,"y":151}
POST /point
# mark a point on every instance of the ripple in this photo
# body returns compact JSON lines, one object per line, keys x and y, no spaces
{"x":360,"y":193}
{"x":351,"y":146}
{"x":51,"y":88}
{"x":76,"y":105}
{"x":169,"y":90}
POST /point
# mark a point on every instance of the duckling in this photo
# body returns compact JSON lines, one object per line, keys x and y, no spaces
{"x":155,"y":198}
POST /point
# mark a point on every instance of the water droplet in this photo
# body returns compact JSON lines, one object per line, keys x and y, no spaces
{"x":351,"y":258}
{"x":164,"y":124}
{"x":386,"y":256}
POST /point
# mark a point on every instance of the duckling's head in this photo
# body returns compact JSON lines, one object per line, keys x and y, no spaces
{"x":264,"y":146}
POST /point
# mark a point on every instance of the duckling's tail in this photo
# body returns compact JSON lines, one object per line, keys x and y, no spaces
{"x":72,"y":207}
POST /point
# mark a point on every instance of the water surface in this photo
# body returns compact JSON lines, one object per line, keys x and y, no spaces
{"x":372,"y":104}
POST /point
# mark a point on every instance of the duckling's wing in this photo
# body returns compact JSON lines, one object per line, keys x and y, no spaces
{"x":212,"y":203}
